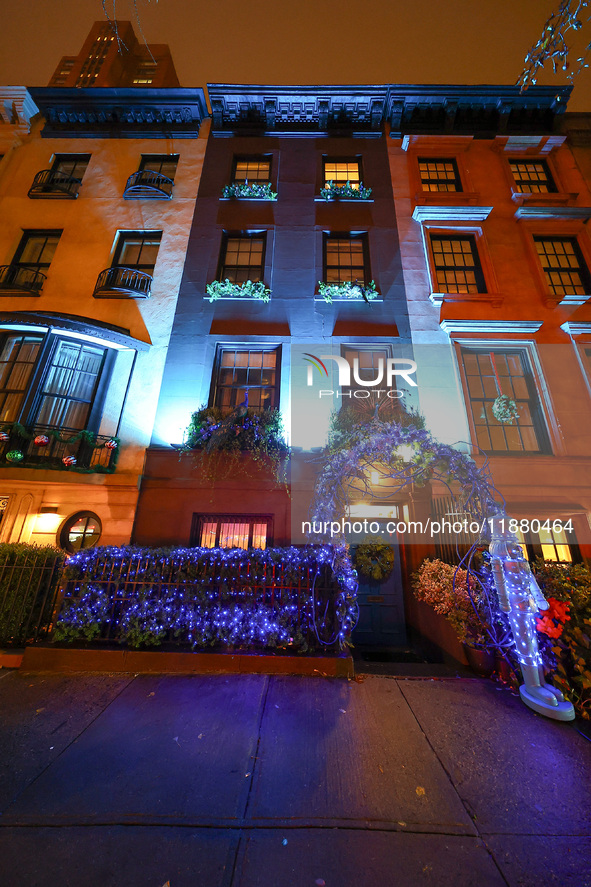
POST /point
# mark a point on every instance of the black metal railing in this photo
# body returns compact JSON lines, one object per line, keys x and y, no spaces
{"x":148,"y":183}
{"x":15,"y":277}
{"x":127,"y":281}
{"x":40,"y":446}
{"x":199,"y":596}
{"x":54,"y":183}
{"x":29,"y":583}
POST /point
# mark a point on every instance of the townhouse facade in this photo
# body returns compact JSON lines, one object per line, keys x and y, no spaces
{"x":97,"y":191}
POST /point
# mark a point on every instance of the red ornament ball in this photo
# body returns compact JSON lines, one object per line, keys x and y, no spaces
{"x":41,"y":440}
{"x":69,"y":461}
{"x":111,"y":444}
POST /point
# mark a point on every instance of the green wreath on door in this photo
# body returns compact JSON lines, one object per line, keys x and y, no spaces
{"x":374,"y":559}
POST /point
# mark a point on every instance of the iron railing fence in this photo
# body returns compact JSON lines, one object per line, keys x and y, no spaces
{"x":455,"y":540}
{"x":29,"y":585}
{"x":202,"y":597}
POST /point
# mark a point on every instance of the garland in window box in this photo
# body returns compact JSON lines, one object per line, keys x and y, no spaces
{"x":217,"y":442}
{"x":374,"y":559}
{"x":348,"y":290}
{"x":250,"y":289}
{"x":504,"y":409}
{"x":40,"y":441}
{"x":333,"y":191}
{"x":249,"y":191}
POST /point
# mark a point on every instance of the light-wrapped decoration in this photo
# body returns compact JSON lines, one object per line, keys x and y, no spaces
{"x":41,"y":440}
{"x":3,"y":436}
{"x":15,"y":456}
{"x":111,"y":444}
{"x":69,"y":461}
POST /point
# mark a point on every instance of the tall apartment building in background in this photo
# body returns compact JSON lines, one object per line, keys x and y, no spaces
{"x":117,"y":58}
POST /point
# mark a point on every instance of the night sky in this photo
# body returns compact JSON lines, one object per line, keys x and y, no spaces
{"x":301,"y":41}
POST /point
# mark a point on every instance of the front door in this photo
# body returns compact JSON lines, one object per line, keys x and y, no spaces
{"x":381,"y":610}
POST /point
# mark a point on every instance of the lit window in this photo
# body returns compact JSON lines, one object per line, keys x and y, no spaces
{"x":550,"y":544}
{"x":243,"y":258}
{"x":346,"y":259}
{"x":532,"y":176}
{"x":563,"y":265}
{"x":82,"y":530}
{"x":457,"y":266}
{"x":232,"y":531}
{"x":339,"y":172}
{"x":239,"y":370}
{"x":489,"y":374}
{"x":439,"y":174}
{"x":252,"y":170}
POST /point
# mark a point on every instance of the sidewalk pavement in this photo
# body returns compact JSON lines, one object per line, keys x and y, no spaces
{"x":258,"y":781}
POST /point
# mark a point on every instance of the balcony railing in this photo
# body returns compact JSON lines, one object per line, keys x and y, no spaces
{"x":112,"y":283}
{"x":15,"y":277}
{"x":42,"y":446}
{"x":147,"y":183}
{"x":54,"y":183}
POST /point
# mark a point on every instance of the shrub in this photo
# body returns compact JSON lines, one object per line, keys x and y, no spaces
{"x":445,"y":588}
{"x":565,"y":629}
{"x":29,"y":576}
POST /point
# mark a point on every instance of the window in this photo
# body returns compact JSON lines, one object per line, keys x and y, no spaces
{"x":563,"y":265}
{"x":251,"y":169}
{"x":137,"y":250}
{"x":457,"y":266}
{"x":532,"y":176}
{"x":550,"y":544}
{"x":73,"y":165}
{"x":489,"y":374}
{"x":165,"y":164}
{"x":439,"y":174}
{"x":82,"y":530}
{"x":339,"y":172}
{"x":242,"y":369}
{"x":243,"y":258}
{"x":36,"y":250}
{"x":231,"y":531}
{"x":346,"y":258}
{"x":48,"y":381}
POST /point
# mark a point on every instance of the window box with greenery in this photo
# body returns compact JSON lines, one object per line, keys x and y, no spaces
{"x":347,"y":191}
{"x":349,"y":291}
{"x":249,"y":191}
{"x":250,"y":289}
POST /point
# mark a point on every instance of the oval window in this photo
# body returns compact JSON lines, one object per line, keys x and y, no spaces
{"x":82,"y":530}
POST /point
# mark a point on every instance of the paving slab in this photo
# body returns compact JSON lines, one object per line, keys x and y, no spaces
{"x":116,"y":856}
{"x":516,"y":772}
{"x":40,"y":715}
{"x":548,"y":861}
{"x":341,"y":751}
{"x":358,"y":858}
{"x":169,"y":748}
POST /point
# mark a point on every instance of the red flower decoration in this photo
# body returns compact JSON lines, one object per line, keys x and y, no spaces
{"x":551,"y":623}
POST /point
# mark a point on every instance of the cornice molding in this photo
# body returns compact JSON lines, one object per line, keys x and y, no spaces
{"x":425,"y":213}
{"x":497,"y":327}
{"x":98,"y":112}
{"x":294,"y":110}
{"x":17,"y":109}
{"x":574,"y":328}
{"x":563,"y":213}
{"x":485,"y":111}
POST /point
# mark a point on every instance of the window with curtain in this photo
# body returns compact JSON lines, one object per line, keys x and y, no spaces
{"x":48,"y":380}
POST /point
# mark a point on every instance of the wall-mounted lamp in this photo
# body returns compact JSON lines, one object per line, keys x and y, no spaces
{"x":48,"y":519}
